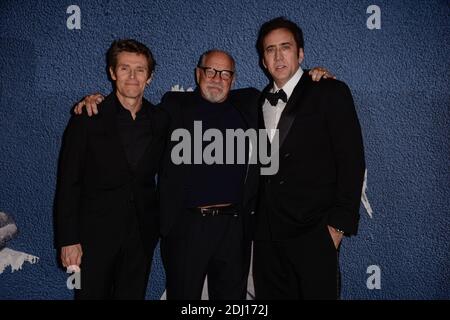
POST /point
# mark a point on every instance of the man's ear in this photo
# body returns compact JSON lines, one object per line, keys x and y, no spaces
{"x":301,"y":55}
{"x":263,"y":63}
{"x":112,"y":74}
{"x":150,"y":79}
{"x":197,"y":75}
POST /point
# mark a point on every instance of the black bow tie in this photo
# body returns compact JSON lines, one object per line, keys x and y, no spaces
{"x":274,"y":97}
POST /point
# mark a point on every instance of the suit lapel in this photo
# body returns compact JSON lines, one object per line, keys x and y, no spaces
{"x":261,"y":121}
{"x":187,"y":109}
{"x":292,"y":108}
{"x":241,"y":105}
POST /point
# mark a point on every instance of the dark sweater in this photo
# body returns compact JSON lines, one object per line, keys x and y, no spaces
{"x":210,"y":184}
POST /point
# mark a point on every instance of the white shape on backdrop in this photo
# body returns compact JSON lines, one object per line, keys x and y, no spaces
{"x":8,"y":228}
{"x":364,"y":199}
{"x":179,"y":88}
{"x":8,"y":257}
{"x":15,"y":259}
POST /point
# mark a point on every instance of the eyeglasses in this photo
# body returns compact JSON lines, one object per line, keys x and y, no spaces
{"x":210,"y":73}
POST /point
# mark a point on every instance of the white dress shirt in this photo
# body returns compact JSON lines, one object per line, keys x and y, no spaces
{"x":271,"y":113}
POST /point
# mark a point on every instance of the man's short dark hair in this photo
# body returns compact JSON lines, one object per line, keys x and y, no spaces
{"x":279,"y":23}
{"x":130,"y":45}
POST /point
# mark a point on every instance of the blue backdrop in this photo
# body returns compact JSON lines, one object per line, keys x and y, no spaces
{"x":399,"y":76}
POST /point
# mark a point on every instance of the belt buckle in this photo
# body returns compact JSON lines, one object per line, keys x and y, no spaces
{"x":212,"y":211}
{"x":209,"y":211}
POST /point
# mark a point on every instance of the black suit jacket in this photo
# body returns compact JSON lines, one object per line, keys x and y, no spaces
{"x":321,"y":166}
{"x":96,"y":188}
{"x":179,"y":105}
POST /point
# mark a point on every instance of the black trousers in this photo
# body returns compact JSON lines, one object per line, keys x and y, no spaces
{"x":200,"y":245}
{"x":115,"y":267}
{"x":302,"y":268}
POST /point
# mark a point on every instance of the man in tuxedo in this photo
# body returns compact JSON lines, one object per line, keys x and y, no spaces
{"x":307,"y":207}
{"x":106,"y":210}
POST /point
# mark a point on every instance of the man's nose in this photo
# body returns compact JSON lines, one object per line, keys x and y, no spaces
{"x":216,"y":77}
{"x":132,"y":74}
{"x":278,"y":54}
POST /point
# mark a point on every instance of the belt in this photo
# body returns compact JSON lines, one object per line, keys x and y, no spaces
{"x":216,"y":211}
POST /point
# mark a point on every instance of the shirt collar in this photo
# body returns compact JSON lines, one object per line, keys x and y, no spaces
{"x":290,"y":85}
{"x":122,"y":111}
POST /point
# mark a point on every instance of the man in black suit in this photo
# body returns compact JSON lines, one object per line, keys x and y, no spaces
{"x":313,"y":200}
{"x":206,"y":209}
{"x":106,"y":209}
